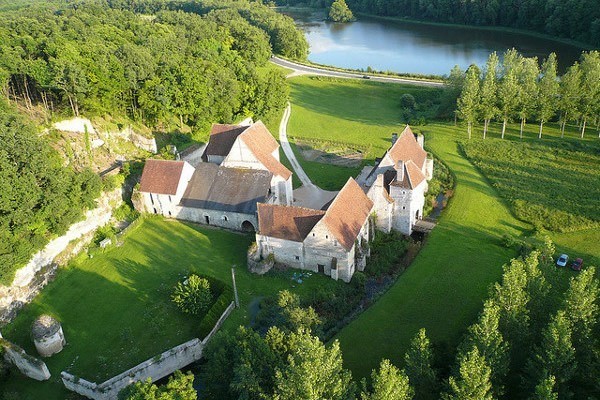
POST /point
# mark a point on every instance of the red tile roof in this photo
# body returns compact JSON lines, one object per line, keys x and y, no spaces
{"x":262,"y":144}
{"x":289,"y":223}
{"x":407,"y":148}
{"x":347,"y":214}
{"x":161,"y":176}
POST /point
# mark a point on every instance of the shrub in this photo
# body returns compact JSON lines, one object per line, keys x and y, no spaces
{"x":193,"y":296}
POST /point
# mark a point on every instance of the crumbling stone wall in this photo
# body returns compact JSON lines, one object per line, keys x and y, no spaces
{"x":28,"y":365}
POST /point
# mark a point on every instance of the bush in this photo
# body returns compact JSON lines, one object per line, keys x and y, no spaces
{"x":193,"y":296}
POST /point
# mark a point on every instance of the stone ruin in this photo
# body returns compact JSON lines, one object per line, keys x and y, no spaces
{"x":47,"y":335}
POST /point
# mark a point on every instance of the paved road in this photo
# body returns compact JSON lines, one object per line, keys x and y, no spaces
{"x":308,"y":195}
{"x":300,"y":69}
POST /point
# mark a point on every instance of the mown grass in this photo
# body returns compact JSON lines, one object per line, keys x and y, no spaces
{"x":551,"y":184}
{"x":116,"y":309}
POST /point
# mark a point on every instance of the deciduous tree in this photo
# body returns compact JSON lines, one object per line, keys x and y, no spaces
{"x":468,"y":102}
{"x":387,"y":383}
{"x":547,"y":91}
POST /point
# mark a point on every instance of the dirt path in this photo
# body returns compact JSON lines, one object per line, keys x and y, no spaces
{"x":308,"y":195}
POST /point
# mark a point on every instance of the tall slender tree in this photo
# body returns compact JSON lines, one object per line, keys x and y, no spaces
{"x":417,"y":361}
{"x":508,"y":88}
{"x":469,"y":98}
{"x":545,"y":389}
{"x":388,"y":383}
{"x":528,"y":75}
{"x":489,"y":92}
{"x":590,"y":88}
{"x":548,"y":86}
{"x":569,"y":96}
{"x":472,"y":381}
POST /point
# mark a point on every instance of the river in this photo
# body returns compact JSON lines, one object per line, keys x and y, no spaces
{"x":409,"y":47}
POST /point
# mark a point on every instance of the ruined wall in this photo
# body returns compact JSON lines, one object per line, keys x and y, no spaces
{"x":30,"y":279}
{"x":155,"y":368}
{"x":28,"y":365}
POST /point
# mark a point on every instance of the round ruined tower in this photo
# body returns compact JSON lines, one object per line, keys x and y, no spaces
{"x":47,"y":335}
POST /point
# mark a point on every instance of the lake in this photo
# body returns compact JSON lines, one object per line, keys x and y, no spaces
{"x":409,"y":47}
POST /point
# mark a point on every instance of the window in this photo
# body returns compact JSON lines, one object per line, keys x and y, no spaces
{"x":154,"y":210}
{"x":170,"y":214}
{"x":313,"y":234}
{"x":404,"y":207}
{"x":225,"y":218}
{"x":152,"y":201}
{"x":297,"y":257}
{"x":169,"y":199}
{"x":326,"y":236}
{"x":207,"y":220}
{"x":335,"y":243}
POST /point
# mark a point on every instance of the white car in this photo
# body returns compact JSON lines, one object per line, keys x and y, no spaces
{"x":562,"y":260}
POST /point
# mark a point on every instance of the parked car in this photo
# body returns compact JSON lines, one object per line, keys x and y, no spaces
{"x":366,"y":77}
{"x":562,"y":260}
{"x":577,"y":264}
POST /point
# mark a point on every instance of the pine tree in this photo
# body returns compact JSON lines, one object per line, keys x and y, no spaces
{"x":570,"y":96}
{"x":417,"y":361}
{"x":469,"y":98}
{"x":489,"y":89}
{"x":389,"y":383}
{"x":486,"y":337}
{"x":528,"y":75}
{"x":547,"y":91}
{"x":473,"y":380}
{"x":512,"y":299}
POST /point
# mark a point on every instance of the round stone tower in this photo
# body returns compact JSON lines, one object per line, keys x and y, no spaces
{"x":48,"y":335}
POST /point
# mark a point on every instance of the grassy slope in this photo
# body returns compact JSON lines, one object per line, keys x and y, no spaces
{"x":362,"y":114}
{"x":444,"y":287}
{"x":116,"y":306}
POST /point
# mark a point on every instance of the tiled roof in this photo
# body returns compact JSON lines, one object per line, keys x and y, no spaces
{"x":262,"y":144}
{"x":221,"y":139}
{"x":347,"y":214}
{"x":289,"y":223}
{"x":214,"y":187}
{"x":407,"y":148}
{"x":161,"y":176}
{"x":412,"y":176}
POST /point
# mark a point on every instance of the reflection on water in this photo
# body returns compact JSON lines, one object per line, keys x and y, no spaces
{"x":416,"y":48}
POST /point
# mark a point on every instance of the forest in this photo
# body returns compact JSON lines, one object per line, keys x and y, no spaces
{"x":167,"y":65}
{"x":571,"y":19}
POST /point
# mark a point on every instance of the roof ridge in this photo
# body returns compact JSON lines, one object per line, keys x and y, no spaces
{"x":292,"y":206}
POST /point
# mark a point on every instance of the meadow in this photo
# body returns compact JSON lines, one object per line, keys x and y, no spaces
{"x":116,"y":310}
{"x":444,"y":288}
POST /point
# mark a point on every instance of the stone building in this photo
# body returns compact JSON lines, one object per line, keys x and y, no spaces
{"x":241,"y":168}
{"x":398,"y":183}
{"x":334,"y":241}
{"x":47,"y":335}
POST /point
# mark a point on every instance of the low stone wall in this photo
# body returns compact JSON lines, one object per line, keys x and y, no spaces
{"x":155,"y":368}
{"x":30,"y":279}
{"x":28,"y":365}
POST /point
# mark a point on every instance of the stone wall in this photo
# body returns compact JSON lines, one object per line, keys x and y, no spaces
{"x":155,"y":368}
{"x":30,"y":279}
{"x":28,"y":365}
{"x":222,"y":219}
{"x":139,"y":141}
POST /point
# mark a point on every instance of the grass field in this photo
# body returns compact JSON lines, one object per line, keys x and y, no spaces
{"x":116,"y":309}
{"x":444,"y":289}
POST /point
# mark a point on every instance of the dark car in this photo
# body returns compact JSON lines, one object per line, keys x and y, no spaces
{"x":577,"y":264}
{"x":366,"y":77}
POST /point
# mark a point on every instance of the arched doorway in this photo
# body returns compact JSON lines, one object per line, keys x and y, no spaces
{"x":417,"y":215}
{"x":248,"y":227}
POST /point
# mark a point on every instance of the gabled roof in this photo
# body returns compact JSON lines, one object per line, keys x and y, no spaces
{"x":214,"y":187}
{"x":413,"y":176}
{"x":222,"y":137}
{"x":161,"y":176}
{"x":262,"y":144}
{"x":347,"y":213}
{"x":407,"y":148}
{"x":289,"y":223}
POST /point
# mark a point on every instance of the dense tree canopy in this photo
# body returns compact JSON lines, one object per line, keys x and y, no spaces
{"x":339,"y":12}
{"x":39,"y":197}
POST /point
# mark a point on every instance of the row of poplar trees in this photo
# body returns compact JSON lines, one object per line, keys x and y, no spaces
{"x":519,"y":89}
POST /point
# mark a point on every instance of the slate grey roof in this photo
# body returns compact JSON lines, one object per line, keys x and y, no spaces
{"x":213,"y":187}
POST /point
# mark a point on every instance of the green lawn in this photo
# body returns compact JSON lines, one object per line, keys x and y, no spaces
{"x":115,"y":308}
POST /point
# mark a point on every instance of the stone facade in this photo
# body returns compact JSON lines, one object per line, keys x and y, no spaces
{"x":48,"y":336}
{"x":165,"y":204}
{"x":28,"y":365}
{"x":221,"y":219}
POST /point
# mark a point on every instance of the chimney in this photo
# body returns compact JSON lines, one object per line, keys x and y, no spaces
{"x":420,"y":140}
{"x":394,"y":138}
{"x":400,"y":171}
